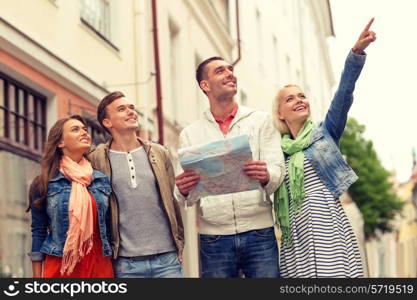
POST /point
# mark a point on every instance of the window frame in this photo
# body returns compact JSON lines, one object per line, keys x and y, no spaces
{"x":11,"y":140}
{"x":97,"y":133}
{"x":93,"y":27}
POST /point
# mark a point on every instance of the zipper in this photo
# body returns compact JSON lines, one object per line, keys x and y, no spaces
{"x":234,"y":213}
{"x":224,"y":136}
{"x":233,"y":199}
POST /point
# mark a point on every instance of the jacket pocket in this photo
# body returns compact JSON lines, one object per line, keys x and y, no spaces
{"x":251,"y":203}
{"x":105,"y":190}
{"x":102,"y":195}
{"x":265,"y":233}
{"x":209,"y":238}
{"x":52,"y":196}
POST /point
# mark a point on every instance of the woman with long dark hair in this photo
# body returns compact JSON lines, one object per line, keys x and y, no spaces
{"x":69,"y":206}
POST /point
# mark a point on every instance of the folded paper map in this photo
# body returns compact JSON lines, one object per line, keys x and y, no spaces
{"x":219,"y":165}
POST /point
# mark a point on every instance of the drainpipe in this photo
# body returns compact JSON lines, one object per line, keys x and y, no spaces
{"x":159,"y":111}
{"x":135,"y":52}
{"x":238,"y":34}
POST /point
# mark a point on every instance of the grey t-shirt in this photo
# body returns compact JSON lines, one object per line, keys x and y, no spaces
{"x":143,"y":224}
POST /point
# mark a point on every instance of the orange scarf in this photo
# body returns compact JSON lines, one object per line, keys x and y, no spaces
{"x":80,"y":233}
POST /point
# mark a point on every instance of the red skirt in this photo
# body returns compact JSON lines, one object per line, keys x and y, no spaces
{"x":92,"y":265}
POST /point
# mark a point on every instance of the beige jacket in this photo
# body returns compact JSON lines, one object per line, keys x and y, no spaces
{"x":244,"y":211}
{"x":162,"y":167}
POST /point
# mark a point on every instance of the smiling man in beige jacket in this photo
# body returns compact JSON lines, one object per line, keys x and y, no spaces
{"x":236,"y":230}
{"x":147,"y":229}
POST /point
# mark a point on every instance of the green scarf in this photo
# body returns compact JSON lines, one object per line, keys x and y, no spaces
{"x":295,"y":170}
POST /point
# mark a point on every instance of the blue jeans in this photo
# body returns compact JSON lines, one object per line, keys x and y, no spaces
{"x":254,"y":253}
{"x":162,"y":265}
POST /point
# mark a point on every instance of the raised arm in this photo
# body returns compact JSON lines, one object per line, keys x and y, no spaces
{"x":336,"y":117}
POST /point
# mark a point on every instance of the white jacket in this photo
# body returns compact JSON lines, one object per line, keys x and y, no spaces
{"x":243,"y":211}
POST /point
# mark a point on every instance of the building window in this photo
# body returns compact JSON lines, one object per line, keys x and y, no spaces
{"x":276,"y":61}
{"x":289,"y":68}
{"x":243,"y":98}
{"x":175,"y":65}
{"x":260,"y":40}
{"x":96,"y":14}
{"x":222,"y":8}
{"x":54,"y":2}
{"x":201,"y":99}
{"x":22,"y":117}
{"x":97,"y":133}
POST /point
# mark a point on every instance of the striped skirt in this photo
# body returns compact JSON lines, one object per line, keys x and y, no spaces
{"x":324,"y":244}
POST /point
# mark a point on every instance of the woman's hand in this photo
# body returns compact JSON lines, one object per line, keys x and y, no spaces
{"x":365,"y":38}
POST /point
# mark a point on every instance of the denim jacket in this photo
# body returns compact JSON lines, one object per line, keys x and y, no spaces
{"x":323,"y":152}
{"x":50,"y":225}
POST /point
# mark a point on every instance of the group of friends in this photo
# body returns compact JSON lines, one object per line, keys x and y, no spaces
{"x":114,"y":210}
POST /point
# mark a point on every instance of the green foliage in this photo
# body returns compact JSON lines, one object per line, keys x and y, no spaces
{"x":372,"y":192}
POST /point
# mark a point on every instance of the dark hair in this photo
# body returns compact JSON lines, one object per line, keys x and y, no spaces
{"x":200,"y":72}
{"x":101,"y":109}
{"x":49,"y":163}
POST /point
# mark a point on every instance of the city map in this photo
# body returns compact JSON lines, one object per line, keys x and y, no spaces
{"x":219,"y":165}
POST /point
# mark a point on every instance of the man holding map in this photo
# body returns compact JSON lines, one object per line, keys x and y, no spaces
{"x":236,"y":227}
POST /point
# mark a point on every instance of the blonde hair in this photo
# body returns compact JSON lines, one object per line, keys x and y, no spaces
{"x":280,"y":125}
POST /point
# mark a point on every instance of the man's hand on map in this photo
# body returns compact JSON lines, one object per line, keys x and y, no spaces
{"x":257,"y":170}
{"x":186,"y":181}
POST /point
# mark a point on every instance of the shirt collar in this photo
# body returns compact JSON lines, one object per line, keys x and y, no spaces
{"x":231,"y":115}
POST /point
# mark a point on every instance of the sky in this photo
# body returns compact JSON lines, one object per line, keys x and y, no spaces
{"x":384,"y":98}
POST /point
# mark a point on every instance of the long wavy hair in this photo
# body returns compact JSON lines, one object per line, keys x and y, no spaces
{"x":49,"y":163}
